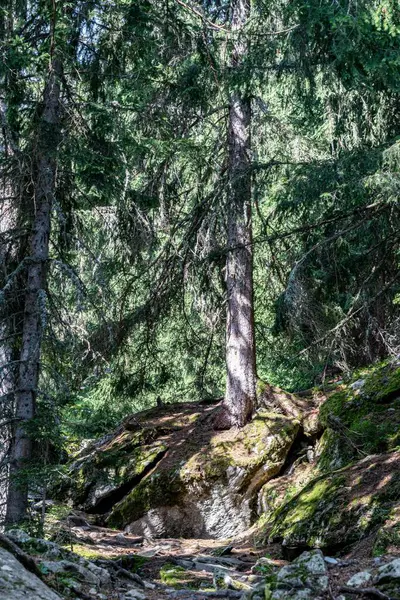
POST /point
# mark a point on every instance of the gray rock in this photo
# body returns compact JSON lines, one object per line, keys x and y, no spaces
{"x":303,"y":579}
{"x":357,"y":385}
{"x":50,"y":549}
{"x":211,"y":568}
{"x":358,"y":579}
{"x":220,"y":579}
{"x":16,"y":583}
{"x":38,"y":506}
{"x":389,"y":571}
{"x":134,"y":594}
{"x":90,"y":576}
{"x":263,"y":564}
{"x":149,"y":586}
{"x":330,"y":560}
{"x":19,"y":536}
{"x":101,"y":574}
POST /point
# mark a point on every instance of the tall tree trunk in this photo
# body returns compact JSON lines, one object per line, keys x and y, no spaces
{"x":7,"y":337}
{"x":240,"y":393}
{"x":45,"y":165}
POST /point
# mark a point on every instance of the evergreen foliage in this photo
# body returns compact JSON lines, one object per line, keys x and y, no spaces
{"x":134,"y":306}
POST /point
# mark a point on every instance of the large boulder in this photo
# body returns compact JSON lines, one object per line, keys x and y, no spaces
{"x":167,"y":472}
{"x":16,"y":583}
{"x":210,"y":489}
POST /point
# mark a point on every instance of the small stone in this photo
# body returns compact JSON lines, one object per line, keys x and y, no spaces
{"x":357,"y":385}
{"x":18,"y":536}
{"x":135,"y":594}
{"x":220,"y":580}
{"x":389,"y":571}
{"x":330,"y":560}
{"x":149,"y":586}
{"x":76,"y":586}
{"x":93,"y":591}
{"x":358,"y":579}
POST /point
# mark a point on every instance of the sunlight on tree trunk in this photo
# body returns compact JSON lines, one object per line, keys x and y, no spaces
{"x":240,"y":392}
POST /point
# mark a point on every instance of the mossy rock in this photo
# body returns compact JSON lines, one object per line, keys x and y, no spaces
{"x":362,"y":417}
{"x":340,"y":508}
{"x":158,"y":489}
{"x":107,"y":466}
{"x":206,"y":488}
{"x":387,"y":540}
{"x":267,"y":437}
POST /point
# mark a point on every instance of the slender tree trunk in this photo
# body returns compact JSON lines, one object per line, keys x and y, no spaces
{"x":45,"y":165}
{"x":240,"y":393}
{"x":7,"y":366}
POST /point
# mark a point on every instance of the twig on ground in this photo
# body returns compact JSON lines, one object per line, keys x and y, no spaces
{"x":330,"y":593}
{"x":367,"y":592}
{"x":120,"y":571}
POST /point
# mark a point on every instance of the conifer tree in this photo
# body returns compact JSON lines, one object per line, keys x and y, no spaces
{"x":240,"y":395}
{"x":43,"y":188}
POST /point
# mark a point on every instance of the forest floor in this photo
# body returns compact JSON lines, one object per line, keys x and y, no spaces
{"x":185,"y":568}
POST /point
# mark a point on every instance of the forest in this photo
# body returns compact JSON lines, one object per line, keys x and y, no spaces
{"x":199,"y":299}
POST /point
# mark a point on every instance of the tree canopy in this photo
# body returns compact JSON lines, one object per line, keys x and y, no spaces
{"x":192,"y":192}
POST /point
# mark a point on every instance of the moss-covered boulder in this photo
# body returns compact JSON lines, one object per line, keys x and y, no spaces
{"x":361,"y":417}
{"x":210,"y":489}
{"x":168,"y":472}
{"x":340,"y":508}
{"x":105,"y":469}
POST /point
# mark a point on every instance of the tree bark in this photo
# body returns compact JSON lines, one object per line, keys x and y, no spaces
{"x":7,"y":367}
{"x":45,"y":164}
{"x":240,"y":395}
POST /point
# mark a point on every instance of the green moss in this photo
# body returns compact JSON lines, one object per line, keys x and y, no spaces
{"x":334,"y":451}
{"x":365,"y":419}
{"x":172,"y":575}
{"x":179,"y":578}
{"x":88,"y":552}
{"x":267,"y":435}
{"x":340,"y":508}
{"x":382,"y":382}
{"x":159,"y":489}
